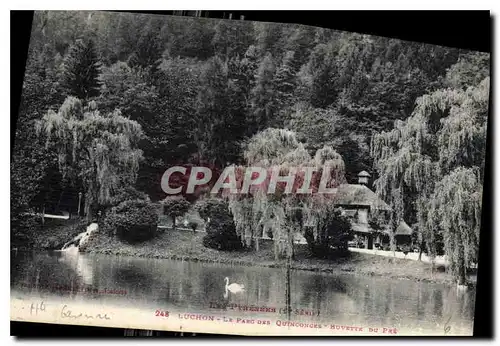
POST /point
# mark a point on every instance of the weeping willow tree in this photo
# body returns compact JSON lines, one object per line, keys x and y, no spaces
{"x":455,"y":209}
{"x":267,"y":149}
{"x":418,"y":161}
{"x":98,"y":150}
{"x":283,"y":211}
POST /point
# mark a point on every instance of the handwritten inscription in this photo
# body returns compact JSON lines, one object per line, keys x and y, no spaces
{"x":67,"y":313}
{"x":447,"y":327}
{"x":35,"y":308}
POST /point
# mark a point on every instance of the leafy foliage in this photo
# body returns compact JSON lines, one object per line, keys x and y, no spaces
{"x":458,"y":196}
{"x":81,"y":70}
{"x":262,"y":95}
{"x":230,"y":39}
{"x":175,"y":206}
{"x":132,"y":220}
{"x":125,"y":194}
{"x":220,"y":226}
{"x":334,"y":231}
{"x":285,"y":213}
{"x":445,"y":137}
{"x":218,"y":92}
{"x":100,"y":151}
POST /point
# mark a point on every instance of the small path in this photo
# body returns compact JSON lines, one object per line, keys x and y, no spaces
{"x":177,"y":228}
{"x":439,"y":260}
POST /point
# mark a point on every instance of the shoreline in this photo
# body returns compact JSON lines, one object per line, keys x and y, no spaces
{"x":278,"y":265}
{"x":187,"y":246}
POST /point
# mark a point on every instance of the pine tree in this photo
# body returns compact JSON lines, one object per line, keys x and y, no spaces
{"x":285,"y":80}
{"x":249,"y":65}
{"x":270,"y":38}
{"x":301,"y":41}
{"x":81,"y":69}
{"x":263,"y":105}
{"x":148,"y":51}
{"x":213,"y":115}
{"x":322,"y":69}
{"x":231,"y":38}
{"x":190,"y":38}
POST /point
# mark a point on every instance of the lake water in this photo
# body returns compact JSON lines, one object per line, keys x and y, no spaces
{"x":199,"y":288}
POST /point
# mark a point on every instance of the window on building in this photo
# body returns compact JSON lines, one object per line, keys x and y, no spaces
{"x":363,"y":216}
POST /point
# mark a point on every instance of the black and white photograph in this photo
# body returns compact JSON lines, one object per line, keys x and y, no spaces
{"x":232,"y":176}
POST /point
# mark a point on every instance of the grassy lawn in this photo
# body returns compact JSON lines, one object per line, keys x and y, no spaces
{"x":181,"y":244}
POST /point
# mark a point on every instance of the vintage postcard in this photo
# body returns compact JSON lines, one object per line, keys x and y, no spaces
{"x":236,"y":177}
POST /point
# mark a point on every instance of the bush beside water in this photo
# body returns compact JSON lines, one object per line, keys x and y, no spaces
{"x":133,"y":220}
{"x":221,"y":230}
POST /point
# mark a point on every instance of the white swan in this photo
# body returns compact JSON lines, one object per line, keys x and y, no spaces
{"x":233,"y":288}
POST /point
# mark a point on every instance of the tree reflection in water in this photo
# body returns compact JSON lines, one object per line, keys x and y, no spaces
{"x":188,"y":286}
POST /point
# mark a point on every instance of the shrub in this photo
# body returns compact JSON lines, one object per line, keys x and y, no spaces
{"x":23,"y":230}
{"x":221,"y":230}
{"x":333,"y":233}
{"x":193,"y":225}
{"x":127,"y":193}
{"x":133,"y":220}
{"x":175,"y":206}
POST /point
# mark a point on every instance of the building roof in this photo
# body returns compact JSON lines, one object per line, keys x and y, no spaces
{"x":364,"y":174}
{"x":357,"y":194}
{"x":360,"y":228}
{"x":403,"y":229}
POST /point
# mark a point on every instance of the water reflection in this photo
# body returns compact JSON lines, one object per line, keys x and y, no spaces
{"x":200,"y":287}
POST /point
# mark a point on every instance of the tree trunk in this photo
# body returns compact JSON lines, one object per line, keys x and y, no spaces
{"x":173,"y":222}
{"x":89,"y":214}
{"x":290,"y":244}
{"x":287,"y":289}
{"x":461,"y":271}
{"x":392,"y":237}
{"x":421,"y":250}
{"x":59,"y":201}
{"x":88,"y":208}
{"x":393,"y":244}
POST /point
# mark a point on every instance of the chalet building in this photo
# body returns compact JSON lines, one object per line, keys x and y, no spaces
{"x":359,"y":203}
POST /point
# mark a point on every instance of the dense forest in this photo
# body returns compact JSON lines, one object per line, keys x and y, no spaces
{"x":197,"y":90}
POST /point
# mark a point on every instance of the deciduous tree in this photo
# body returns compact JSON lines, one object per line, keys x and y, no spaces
{"x":100,"y":150}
